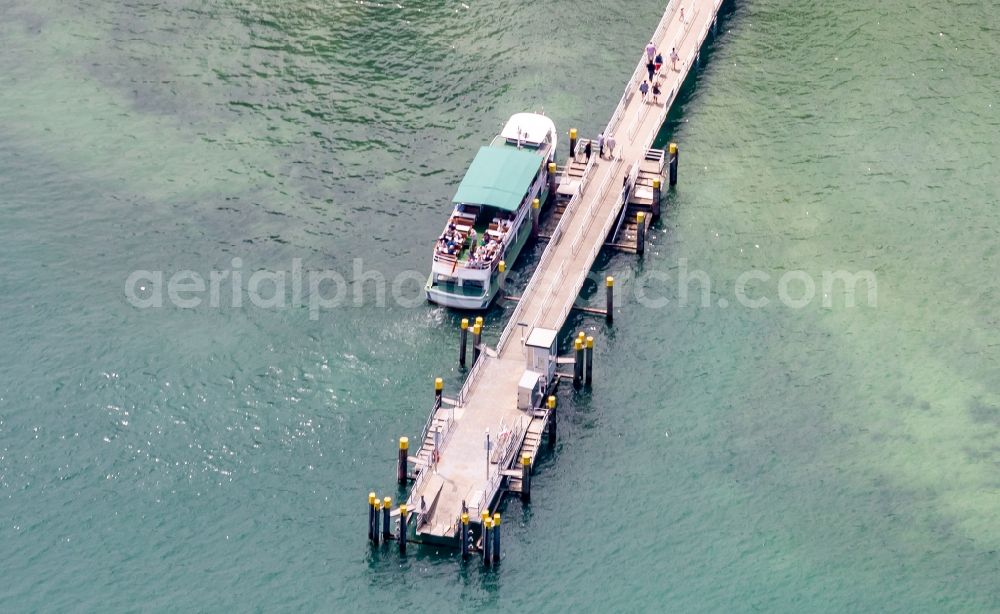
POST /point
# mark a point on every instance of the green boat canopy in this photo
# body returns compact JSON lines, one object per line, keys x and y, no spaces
{"x":498,"y":177}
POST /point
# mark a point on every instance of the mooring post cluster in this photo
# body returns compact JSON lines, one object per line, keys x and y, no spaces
{"x":380,"y":522}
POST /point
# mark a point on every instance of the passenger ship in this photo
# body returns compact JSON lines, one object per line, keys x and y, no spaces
{"x":491,"y":221}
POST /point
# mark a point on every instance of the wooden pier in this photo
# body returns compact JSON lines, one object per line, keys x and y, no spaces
{"x":604,"y":202}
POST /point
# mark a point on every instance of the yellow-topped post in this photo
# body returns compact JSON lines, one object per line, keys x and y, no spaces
{"x":438,"y":389}
{"x":609,"y":310}
{"x":496,"y":537}
{"x":477,"y":336}
{"x":403,"y":518}
{"x":371,"y":515}
{"x":640,"y":233}
{"x":487,"y":540}
{"x":536,"y":214}
{"x":657,"y":195}
{"x":376,"y":535}
{"x":578,"y":363}
{"x":386,"y":512}
{"x":572,"y":142}
{"x":674,"y":154}
{"x":404,"y":446}
{"x":463,"y":340}
{"x":553,"y":422}
{"x":526,"y":477}
{"x":588,"y":376}
{"x":552,"y":180}
{"x":502,"y":277}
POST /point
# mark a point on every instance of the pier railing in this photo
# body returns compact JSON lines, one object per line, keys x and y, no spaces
{"x":470,"y":379}
{"x":542,"y":263}
{"x":633,"y":80}
{"x":506,"y":455}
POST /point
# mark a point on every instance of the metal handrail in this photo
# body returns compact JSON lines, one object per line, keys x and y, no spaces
{"x":544,"y":260}
{"x":641,"y":66}
{"x":470,"y":378}
{"x":430,"y":420}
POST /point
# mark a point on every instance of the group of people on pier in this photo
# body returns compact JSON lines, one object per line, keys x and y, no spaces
{"x":654,"y":62}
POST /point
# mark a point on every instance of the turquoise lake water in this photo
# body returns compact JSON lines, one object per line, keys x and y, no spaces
{"x":814,"y":458}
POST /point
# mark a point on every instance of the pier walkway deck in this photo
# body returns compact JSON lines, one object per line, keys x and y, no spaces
{"x":488,"y":400}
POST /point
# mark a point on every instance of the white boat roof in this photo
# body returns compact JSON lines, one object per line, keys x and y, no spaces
{"x":530,"y":127}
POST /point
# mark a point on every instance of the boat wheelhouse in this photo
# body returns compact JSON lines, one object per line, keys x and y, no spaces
{"x":491,"y":221}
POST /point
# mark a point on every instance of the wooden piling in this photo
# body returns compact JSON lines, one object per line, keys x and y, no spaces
{"x":496,"y":537}
{"x":404,"y":446}
{"x":673,"y":161}
{"x":588,"y":377}
{"x":552,"y":421}
{"x":477,"y":333}
{"x":376,"y":521}
{"x":552,"y":180}
{"x":640,"y":233}
{"x":386,"y":519}
{"x":536,"y":213}
{"x":403,"y":517}
{"x":371,"y":514}
{"x":463,"y":340}
{"x":656,"y":198}
{"x":609,"y":310}
{"x":484,"y":539}
{"x":578,"y":363}
{"x":526,"y":478}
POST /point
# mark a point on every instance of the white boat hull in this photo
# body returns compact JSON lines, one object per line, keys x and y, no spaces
{"x":460,"y":301}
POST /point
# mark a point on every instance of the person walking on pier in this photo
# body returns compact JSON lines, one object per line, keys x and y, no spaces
{"x":644,"y":88}
{"x":651,"y":68}
{"x":611,"y":147}
{"x":600,"y":145}
{"x":650,"y":51}
{"x":656,"y":93}
{"x":587,"y":150}
{"x":673,"y":58}
{"x":658,"y":62}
